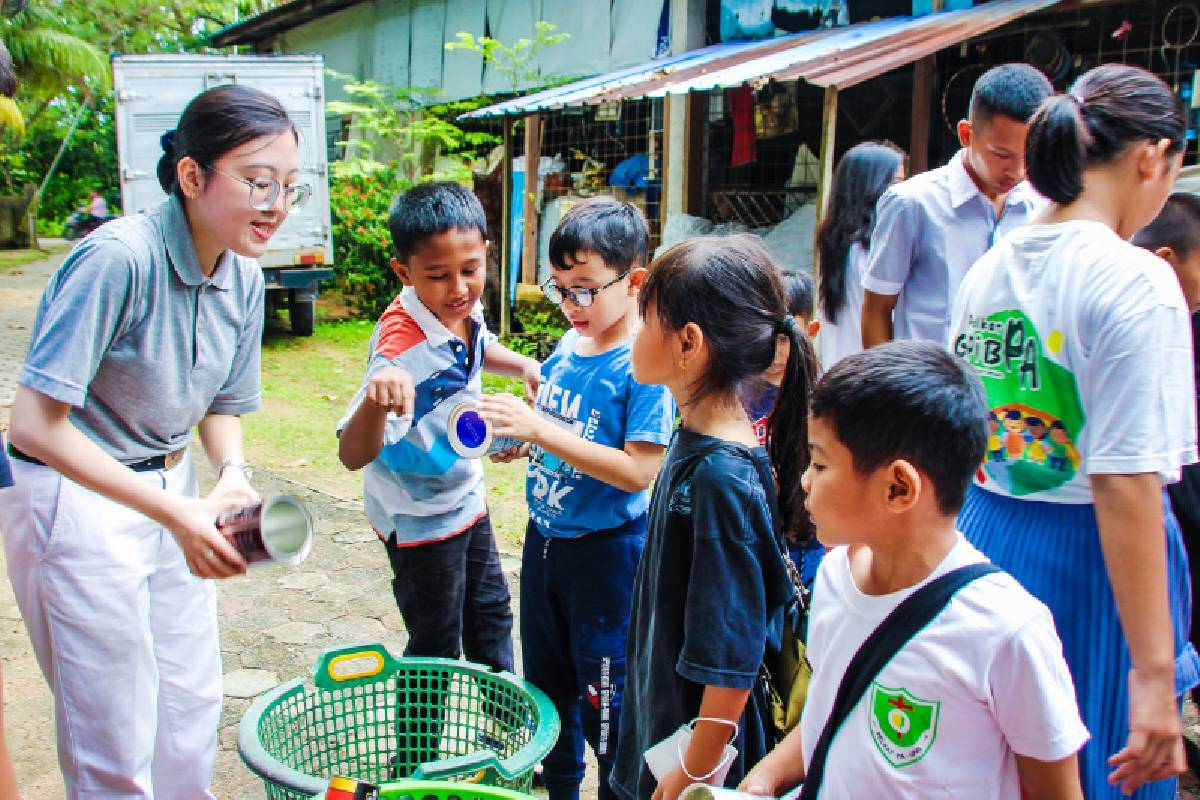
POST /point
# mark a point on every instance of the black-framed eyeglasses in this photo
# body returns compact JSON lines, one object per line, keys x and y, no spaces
{"x":579,"y":295}
{"x":265,"y":191}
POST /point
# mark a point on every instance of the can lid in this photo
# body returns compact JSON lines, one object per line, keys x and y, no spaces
{"x":470,"y":434}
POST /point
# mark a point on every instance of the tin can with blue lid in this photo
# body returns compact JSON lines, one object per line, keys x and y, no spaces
{"x":471,"y":435}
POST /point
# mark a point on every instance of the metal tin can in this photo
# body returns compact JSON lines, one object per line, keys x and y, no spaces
{"x":471,"y":435}
{"x":277,"y":530}
{"x":702,"y":791}
{"x":341,"y":788}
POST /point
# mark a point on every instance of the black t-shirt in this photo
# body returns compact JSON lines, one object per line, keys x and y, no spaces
{"x":707,"y":601}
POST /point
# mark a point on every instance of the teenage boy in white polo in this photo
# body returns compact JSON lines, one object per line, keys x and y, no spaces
{"x":932,"y":227}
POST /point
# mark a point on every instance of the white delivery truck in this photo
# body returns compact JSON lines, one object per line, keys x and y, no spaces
{"x":151,"y":93}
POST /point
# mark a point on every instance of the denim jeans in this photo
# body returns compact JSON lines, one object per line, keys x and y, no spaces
{"x":575,"y":597}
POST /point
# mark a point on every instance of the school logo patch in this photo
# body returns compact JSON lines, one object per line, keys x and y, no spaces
{"x":903,"y":726}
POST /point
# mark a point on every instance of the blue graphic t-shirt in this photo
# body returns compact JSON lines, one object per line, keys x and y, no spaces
{"x":597,"y":398}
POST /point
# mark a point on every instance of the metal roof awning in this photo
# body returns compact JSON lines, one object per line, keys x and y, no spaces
{"x":276,"y":20}
{"x":839,"y":57}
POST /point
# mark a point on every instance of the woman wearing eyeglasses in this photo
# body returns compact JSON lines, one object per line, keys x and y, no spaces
{"x":150,"y":328}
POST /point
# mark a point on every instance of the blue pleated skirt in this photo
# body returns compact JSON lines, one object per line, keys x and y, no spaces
{"x":1053,"y":550}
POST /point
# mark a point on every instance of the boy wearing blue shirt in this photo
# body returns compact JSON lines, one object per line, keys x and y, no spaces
{"x":595,"y":438}
{"x":425,"y":502}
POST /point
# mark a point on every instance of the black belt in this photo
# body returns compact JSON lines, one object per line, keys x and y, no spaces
{"x":152,"y":464}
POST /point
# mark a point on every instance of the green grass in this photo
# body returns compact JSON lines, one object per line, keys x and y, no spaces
{"x":307,"y":383}
{"x":12,"y":259}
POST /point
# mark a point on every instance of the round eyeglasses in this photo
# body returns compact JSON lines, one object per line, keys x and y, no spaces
{"x":579,"y":295}
{"x":265,"y":191}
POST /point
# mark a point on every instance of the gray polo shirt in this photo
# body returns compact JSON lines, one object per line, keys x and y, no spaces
{"x":133,"y":335}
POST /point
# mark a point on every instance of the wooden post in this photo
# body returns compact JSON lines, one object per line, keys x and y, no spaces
{"x":693,"y":154}
{"x":825,"y":176}
{"x":667,"y":196}
{"x":922,"y":109}
{"x":533,"y":155}
{"x":506,"y":235}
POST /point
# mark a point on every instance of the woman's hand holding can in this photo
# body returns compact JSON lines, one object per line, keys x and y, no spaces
{"x":207,"y":552}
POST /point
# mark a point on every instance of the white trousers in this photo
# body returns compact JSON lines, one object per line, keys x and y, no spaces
{"x":125,"y":635}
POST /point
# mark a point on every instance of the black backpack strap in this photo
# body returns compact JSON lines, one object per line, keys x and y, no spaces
{"x":799,"y":602}
{"x":897,"y":629}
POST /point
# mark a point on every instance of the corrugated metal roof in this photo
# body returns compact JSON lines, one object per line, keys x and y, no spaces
{"x":839,"y":57}
{"x":275,"y":20}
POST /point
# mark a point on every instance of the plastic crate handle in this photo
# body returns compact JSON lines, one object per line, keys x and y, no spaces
{"x":353,"y":665}
{"x":474,"y":762}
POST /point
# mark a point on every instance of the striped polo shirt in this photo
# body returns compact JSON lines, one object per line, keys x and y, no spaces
{"x":418,"y":488}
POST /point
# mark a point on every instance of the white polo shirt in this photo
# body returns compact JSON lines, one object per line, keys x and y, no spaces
{"x":929,"y":230}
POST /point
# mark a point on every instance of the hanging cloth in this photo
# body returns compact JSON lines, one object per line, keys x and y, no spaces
{"x":741,"y":111}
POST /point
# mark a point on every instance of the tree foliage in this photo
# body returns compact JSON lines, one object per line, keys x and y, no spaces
{"x":398,"y":141}
{"x":48,"y":59}
{"x":517,"y":62}
{"x":61,"y":50}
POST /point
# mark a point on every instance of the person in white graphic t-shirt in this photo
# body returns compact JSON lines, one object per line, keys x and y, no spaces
{"x":979,"y":703}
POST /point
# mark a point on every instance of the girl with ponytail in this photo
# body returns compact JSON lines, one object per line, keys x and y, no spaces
{"x":862,"y":176}
{"x":150,"y":328}
{"x":711,"y":585}
{"x":1082,"y":341}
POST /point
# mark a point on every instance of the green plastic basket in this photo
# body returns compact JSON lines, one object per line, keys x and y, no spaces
{"x":377,"y":718}
{"x":440,"y":790}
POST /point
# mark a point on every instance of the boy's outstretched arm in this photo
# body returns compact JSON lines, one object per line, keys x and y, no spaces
{"x":630,"y":469}
{"x":499,"y":359}
{"x":389,"y":389}
{"x":707,"y":747}
{"x":780,"y":771}
{"x":1049,"y":780}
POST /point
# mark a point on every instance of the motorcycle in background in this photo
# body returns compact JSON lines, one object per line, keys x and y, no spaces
{"x":83,"y":222}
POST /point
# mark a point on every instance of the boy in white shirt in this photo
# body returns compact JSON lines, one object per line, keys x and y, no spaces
{"x":979,"y":703}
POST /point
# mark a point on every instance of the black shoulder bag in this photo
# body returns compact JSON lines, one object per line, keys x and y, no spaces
{"x":897,"y":629}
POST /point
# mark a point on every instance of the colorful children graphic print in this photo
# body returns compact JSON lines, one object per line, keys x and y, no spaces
{"x":1036,"y":415}
{"x":903,"y":726}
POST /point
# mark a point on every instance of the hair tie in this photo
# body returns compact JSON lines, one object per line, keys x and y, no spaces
{"x":167,"y":140}
{"x":787,"y":325}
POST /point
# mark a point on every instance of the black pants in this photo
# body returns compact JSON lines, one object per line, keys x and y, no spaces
{"x":454,"y":599}
{"x":1185,"y":502}
{"x":575,"y":598}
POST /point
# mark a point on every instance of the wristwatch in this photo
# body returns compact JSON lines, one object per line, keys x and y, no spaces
{"x":246,"y":469}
